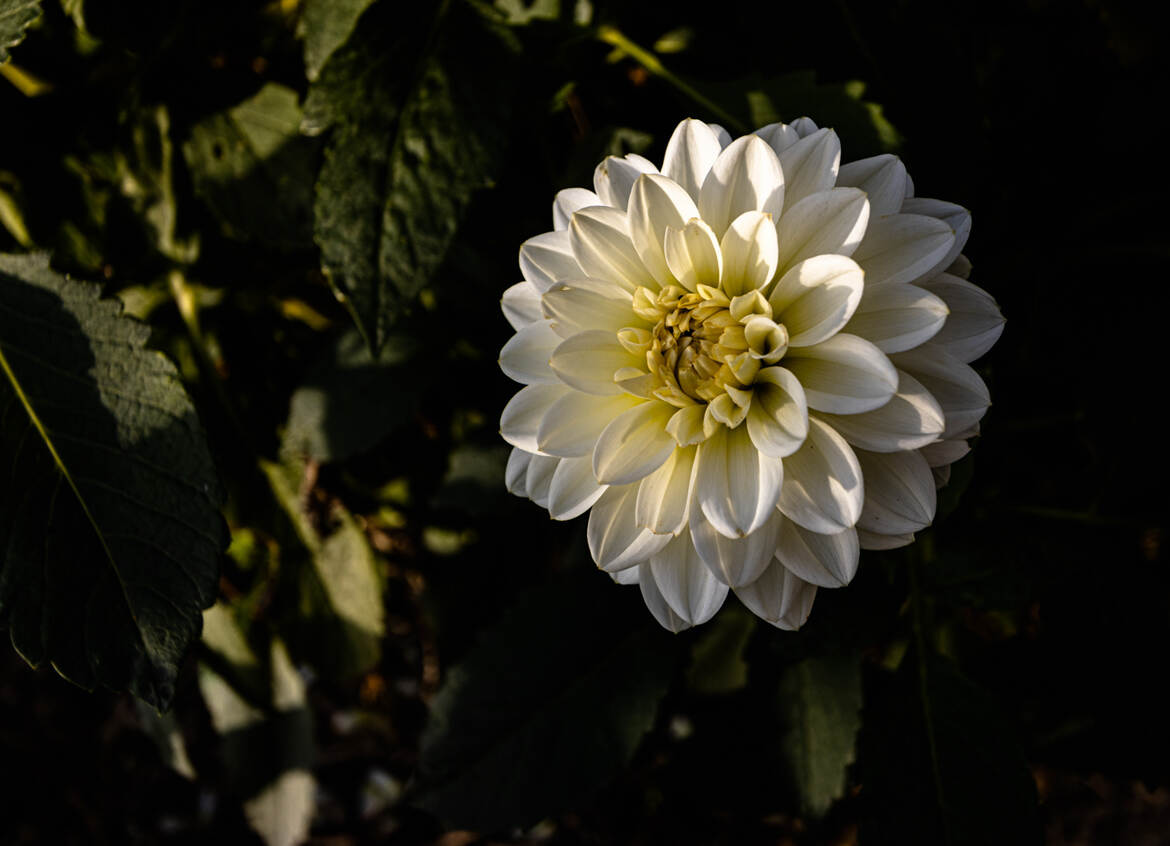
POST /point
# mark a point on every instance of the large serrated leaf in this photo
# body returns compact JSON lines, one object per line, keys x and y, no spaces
{"x":15,"y":18}
{"x":110,"y":528}
{"x":417,"y":130}
{"x":325,"y":25}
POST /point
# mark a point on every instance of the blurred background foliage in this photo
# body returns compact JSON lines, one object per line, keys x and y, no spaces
{"x":315,"y":206}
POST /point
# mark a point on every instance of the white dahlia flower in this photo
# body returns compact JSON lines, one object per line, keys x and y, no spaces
{"x":746,"y":366}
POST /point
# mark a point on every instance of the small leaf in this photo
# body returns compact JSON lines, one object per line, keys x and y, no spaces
{"x":15,"y":18}
{"x":325,"y":25}
{"x":717,"y":663}
{"x":110,"y":522}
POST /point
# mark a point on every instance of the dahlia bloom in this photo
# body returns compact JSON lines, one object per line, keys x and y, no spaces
{"x":747,"y":366}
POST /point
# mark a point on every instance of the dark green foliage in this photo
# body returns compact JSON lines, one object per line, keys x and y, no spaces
{"x":15,"y":17}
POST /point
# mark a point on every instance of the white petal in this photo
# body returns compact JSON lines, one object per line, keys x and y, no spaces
{"x":828,"y":561}
{"x":912,"y":419}
{"x":942,"y":453}
{"x":843,"y":375}
{"x":614,"y":178}
{"x":749,"y":253}
{"x":816,"y":298}
{"x":615,"y":540}
{"x":737,"y":561}
{"x":516,"y":473}
{"x":736,"y":485}
{"x":569,"y":200}
{"x":823,"y":489}
{"x":780,"y":597}
{"x":832,"y":221}
{"x":883,"y":178}
{"x":634,"y":445}
{"x":899,"y":493}
{"x":657,"y":604}
{"x":521,"y":305}
{"x":693,"y":255}
{"x":582,"y":304}
{"x":599,"y":238}
{"x":573,"y":488}
{"x":691,"y":151}
{"x":975,"y":322}
{"x":588,"y":360}
{"x":804,"y":126}
{"x":686,"y":427}
{"x":571,"y":426}
{"x":871,"y":540}
{"x":525,"y":358}
{"x":686,"y":583}
{"x":902,"y":247}
{"x":961,"y":267}
{"x":522,"y":415}
{"x":810,"y":165}
{"x":897,"y":317}
{"x":547,"y":258}
{"x":664,"y":496}
{"x":538,"y":479}
{"x":779,"y":136}
{"x":745,"y":177}
{"x":655,"y":204}
{"x":777,"y":419}
{"x":628,"y":576}
{"x":959,"y":390}
{"x":722,"y":134}
{"x":954,"y":216}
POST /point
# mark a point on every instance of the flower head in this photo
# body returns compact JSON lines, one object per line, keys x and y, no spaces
{"x":746,"y":366}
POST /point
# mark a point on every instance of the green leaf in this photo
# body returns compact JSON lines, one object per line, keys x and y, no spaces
{"x":15,"y":18}
{"x":551,"y":703}
{"x":325,"y":25}
{"x":417,"y":129}
{"x":820,"y":702}
{"x":109,"y":523}
{"x":717,"y":662}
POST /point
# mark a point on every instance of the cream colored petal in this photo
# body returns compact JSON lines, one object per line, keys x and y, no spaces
{"x":735,"y":485}
{"x":659,"y":607}
{"x":614,"y":178}
{"x":745,"y":177}
{"x":777,"y":419}
{"x":686,"y":426}
{"x":902,"y":247}
{"x":954,"y":216}
{"x":571,"y":426}
{"x":843,"y":375}
{"x":779,"y":136}
{"x":599,"y":238}
{"x":569,"y":200}
{"x":634,"y":444}
{"x":816,"y":298}
{"x":628,"y":576}
{"x":615,"y":540}
{"x":883,"y":178}
{"x":525,"y":358}
{"x":693,"y":255}
{"x":832,"y":221}
{"x":874,"y":541}
{"x":749,"y":253}
{"x":588,"y":360}
{"x":720,"y":133}
{"x":573,"y":488}
{"x":685,"y":582}
{"x":579,"y":305}
{"x":548,"y":258}
{"x":810,"y":165}
{"x":655,"y":204}
{"x":895,"y":318}
{"x":912,"y":419}
{"x":736,"y":561}
{"x":828,"y":561}
{"x":538,"y":479}
{"x":975,"y":322}
{"x":521,"y":305}
{"x":664,"y":496}
{"x":960,"y":267}
{"x":522,"y":416}
{"x":516,"y":473}
{"x":942,"y":453}
{"x":823,"y":489}
{"x":691,"y":151}
{"x":960,"y":392}
{"x":899,"y":493}
{"x":780,"y":597}
{"x":804,"y":126}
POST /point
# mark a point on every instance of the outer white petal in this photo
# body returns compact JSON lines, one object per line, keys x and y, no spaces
{"x":722,"y":134}
{"x":579,"y":305}
{"x":832,"y":221}
{"x":736,"y":561}
{"x":942,"y":453}
{"x":615,"y":540}
{"x":912,"y":419}
{"x":975,"y":322}
{"x":899,"y":493}
{"x":516,"y":473}
{"x":655,"y":204}
{"x":521,"y":305}
{"x":657,"y":604}
{"x":599,"y":238}
{"x":827,"y":561}
{"x":902,"y":247}
{"x":823,"y":489}
{"x":897,"y":317}
{"x":571,"y":425}
{"x":634,"y":444}
{"x":843,"y":375}
{"x":628,"y":576}
{"x":538,"y":479}
{"x":961,"y":267}
{"x":569,"y":200}
{"x":664,"y":497}
{"x":685,"y":582}
{"x":588,"y":360}
{"x":960,"y":392}
{"x":882,"y":177}
{"x":614,"y":178}
{"x":736,"y":486}
{"x":779,"y":136}
{"x":691,"y":151}
{"x":749,"y":253}
{"x":870,"y":540}
{"x":522,"y":416}
{"x":548,"y":258}
{"x":745,"y":177}
{"x":804,"y":126}
{"x":777,"y":419}
{"x":780,"y":597}
{"x":573,"y":488}
{"x":954,"y":216}
{"x":525,"y":358}
{"x":810,"y":165}
{"x":693,"y":255}
{"x":816,"y":297}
